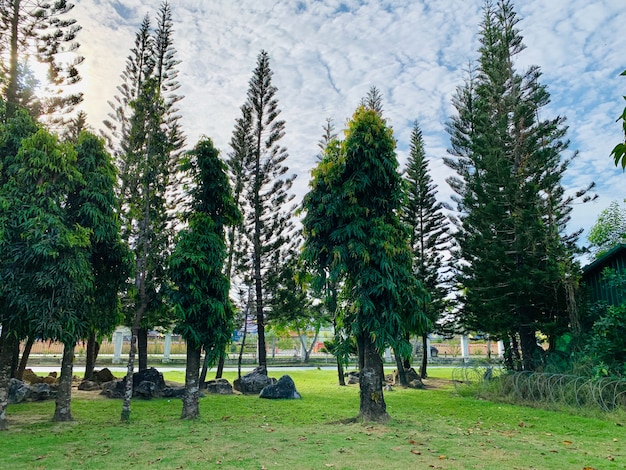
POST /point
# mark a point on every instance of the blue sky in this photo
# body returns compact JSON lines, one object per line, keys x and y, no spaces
{"x":326,"y":54}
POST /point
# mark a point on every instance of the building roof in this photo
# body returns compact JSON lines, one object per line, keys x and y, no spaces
{"x":604,"y":260}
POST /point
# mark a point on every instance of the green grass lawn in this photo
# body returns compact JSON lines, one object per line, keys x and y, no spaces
{"x":432,"y":428}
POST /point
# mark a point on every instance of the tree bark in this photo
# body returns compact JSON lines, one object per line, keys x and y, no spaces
{"x":63,"y":402}
{"x":372,"y":402}
{"x":205,"y":369}
{"x":91,"y":355}
{"x":407,"y":360}
{"x":6,"y":356}
{"x":401,"y":371}
{"x":529,"y":348}
{"x":340,"y":374}
{"x":423,"y":369}
{"x":15,"y":357}
{"x":28,"y":346}
{"x":142,"y":345}
{"x":220,"y":366}
{"x":191,"y":408}
{"x":128,"y":391}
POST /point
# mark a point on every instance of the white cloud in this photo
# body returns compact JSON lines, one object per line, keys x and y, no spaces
{"x":326,"y":54}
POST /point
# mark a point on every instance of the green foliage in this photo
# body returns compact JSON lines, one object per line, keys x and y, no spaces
{"x":45,"y":271}
{"x":200,"y":298}
{"x":42,"y":30}
{"x":262,"y":188}
{"x":429,"y":233}
{"x":353,"y":234}
{"x":514,"y":258}
{"x":94,"y":205}
{"x":609,"y":229}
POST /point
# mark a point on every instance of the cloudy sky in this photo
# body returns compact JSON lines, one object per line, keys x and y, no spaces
{"x":326,"y":54}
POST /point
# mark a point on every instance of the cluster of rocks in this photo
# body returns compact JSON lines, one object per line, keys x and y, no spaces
{"x":412,"y":377}
{"x":20,"y":391}
{"x":148,"y":383}
{"x":258,"y":382}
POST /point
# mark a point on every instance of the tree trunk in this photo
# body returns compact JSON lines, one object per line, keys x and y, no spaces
{"x":529,"y":348}
{"x":191,"y":408}
{"x":340,"y":374}
{"x":15,"y":358}
{"x":142,"y":346}
{"x":407,"y":360}
{"x":12,"y":85}
{"x":260,"y":322}
{"x":90,"y":355}
{"x":508,"y":354}
{"x":372,"y":402}
{"x":62,"y":409}
{"x":128,"y":392}
{"x":6,"y":356}
{"x":220,"y":365}
{"x":401,"y":371}
{"x":517,"y":360}
{"x":205,"y":369}
{"x":424,"y":368}
{"x":28,"y":346}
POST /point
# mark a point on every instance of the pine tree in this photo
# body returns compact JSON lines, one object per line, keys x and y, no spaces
{"x":429,"y":234}
{"x":28,"y":26}
{"x":514,"y":252}
{"x":145,"y":133}
{"x":267,"y":217}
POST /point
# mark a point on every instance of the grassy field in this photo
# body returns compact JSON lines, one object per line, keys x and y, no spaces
{"x":432,"y":428}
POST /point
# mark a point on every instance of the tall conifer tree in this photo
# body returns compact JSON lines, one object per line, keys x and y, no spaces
{"x":267,"y":215}
{"x":515,"y":255}
{"x":429,"y":234}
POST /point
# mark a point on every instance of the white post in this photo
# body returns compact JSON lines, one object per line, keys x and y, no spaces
{"x":167,"y":347}
{"x":500,"y":348}
{"x":428,"y":348}
{"x":118,"y":339}
{"x":465,"y":348}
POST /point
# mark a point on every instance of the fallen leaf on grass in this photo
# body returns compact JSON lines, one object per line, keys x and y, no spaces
{"x":568,"y":443}
{"x":610,"y":458}
{"x":302,"y":438}
{"x":396,"y":448}
{"x":225,"y":418}
{"x":442,"y":457}
{"x":589,"y":468}
{"x":416,"y":452}
{"x":329,"y":464}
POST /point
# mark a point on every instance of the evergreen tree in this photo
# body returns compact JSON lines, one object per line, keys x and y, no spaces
{"x":352,"y":228}
{"x":200,"y":299}
{"x":32,"y":27}
{"x":149,"y":78}
{"x":95,"y":206}
{"x":515,"y":257}
{"x":266,"y":215}
{"x":429,"y":235}
{"x":609,"y":229}
{"x":45,"y":272}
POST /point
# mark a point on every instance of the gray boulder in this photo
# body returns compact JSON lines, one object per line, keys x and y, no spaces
{"x":219,"y":387}
{"x":253,"y":382}
{"x":89,"y":386}
{"x":284,"y":388}
{"x":43,"y":391}
{"x":18,"y":391}
{"x":103,"y":375}
{"x":353,"y":378}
